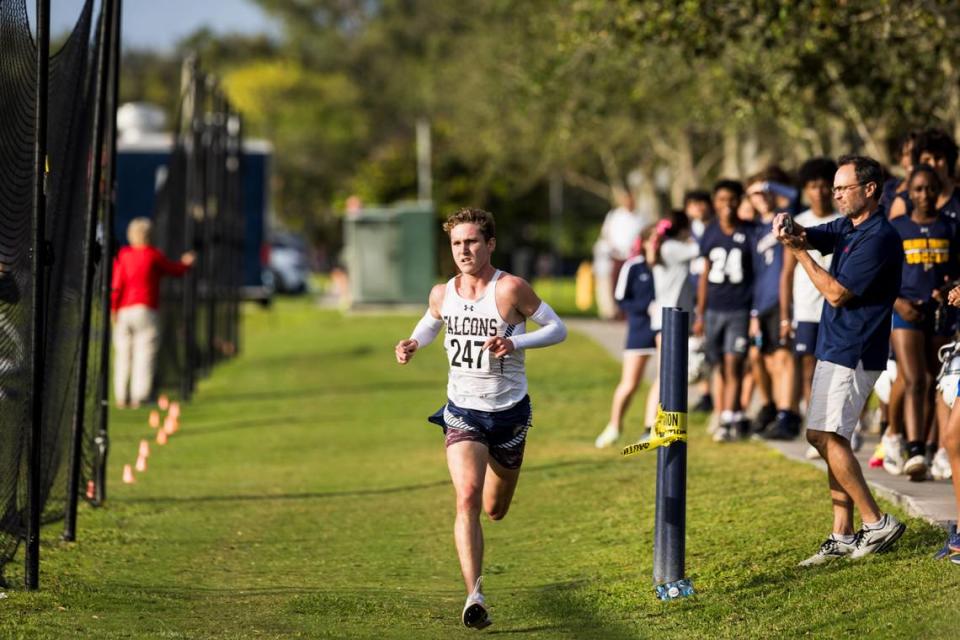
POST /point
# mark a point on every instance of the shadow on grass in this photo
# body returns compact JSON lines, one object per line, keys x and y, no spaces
{"x":346,"y":493}
{"x":572,"y":603}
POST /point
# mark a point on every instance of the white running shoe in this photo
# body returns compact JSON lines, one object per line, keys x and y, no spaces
{"x":831,"y":549}
{"x":916,"y":468}
{"x":879,"y":539}
{"x":725,"y":433}
{"x":607,"y":437}
{"x":941,"y":469}
{"x":892,"y":454}
{"x":474,"y":615}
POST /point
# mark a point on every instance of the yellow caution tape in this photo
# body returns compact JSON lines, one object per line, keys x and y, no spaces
{"x":669,"y":427}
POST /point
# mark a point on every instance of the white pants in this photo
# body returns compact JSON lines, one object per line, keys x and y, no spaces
{"x":136,"y":337}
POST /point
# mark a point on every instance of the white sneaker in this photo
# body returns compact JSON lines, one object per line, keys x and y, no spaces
{"x":474,"y":615}
{"x":607,"y":437}
{"x":725,"y":433}
{"x":941,"y":469}
{"x":713,"y":424}
{"x":892,"y":454}
{"x":879,"y":539}
{"x":831,"y":549}
{"x":916,"y":468}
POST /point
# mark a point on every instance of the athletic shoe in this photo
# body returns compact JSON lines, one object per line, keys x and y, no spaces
{"x":787,"y":427}
{"x":880,"y":539}
{"x":713,"y":424}
{"x":741,"y":429}
{"x":812,"y":453}
{"x":607,"y":437}
{"x":941,"y":469}
{"x":765,"y":417}
{"x":475,"y":614}
{"x":705,"y":405}
{"x":916,"y":468}
{"x":950,"y":549}
{"x":725,"y":433}
{"x":892,"y":454}
{"x":831,"y":549}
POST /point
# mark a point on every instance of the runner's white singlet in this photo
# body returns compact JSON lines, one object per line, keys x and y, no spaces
{"x":477,"y":379}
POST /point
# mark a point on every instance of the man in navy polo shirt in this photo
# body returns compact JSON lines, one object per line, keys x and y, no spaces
{"x":859,"y":291}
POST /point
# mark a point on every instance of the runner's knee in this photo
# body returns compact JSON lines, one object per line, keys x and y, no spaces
{"x":469,"y":498}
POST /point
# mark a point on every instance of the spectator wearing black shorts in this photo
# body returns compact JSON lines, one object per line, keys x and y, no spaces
{"x":724,"y":299}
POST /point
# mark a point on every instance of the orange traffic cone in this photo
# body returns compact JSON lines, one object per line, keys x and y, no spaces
{"x":175,"y":409}
{"x":170,"y":425}
{"x":163,"y":402}
{"x":154,"y":419}
{"x":91,"y":490}
{"x":161,"y":437}
{"x":141,"y":464}
{"x":128,"y":475}
{"x":144,"y":451}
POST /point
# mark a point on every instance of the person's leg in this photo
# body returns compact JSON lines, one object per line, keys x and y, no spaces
{"x":631,"y":372}
{"x":842,"y":507}
{"x":951,"y":442}
{"x":732,"y":377}
{"x":146,"y":341}
{"x":653,"y":396}
{"x":909,"y":346}
{"x":846,"y":475}
{"x":911,"y":366}
{"x":467,"y":462}
{"x":498,"y":488}
{"x":122,"y":352}
{"x":762,"y":376}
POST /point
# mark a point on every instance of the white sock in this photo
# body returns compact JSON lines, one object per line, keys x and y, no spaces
{"x":843,"y":537}
{"x":873,"y":526}
{"x":737,"y":416}
{"x":726,"y":416}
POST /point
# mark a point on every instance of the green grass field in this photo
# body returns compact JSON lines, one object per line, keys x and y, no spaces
{"x":306,"y":496}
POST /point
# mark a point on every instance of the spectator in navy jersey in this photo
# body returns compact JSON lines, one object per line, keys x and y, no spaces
{"x":770,"y":355}
{"x":800,"y":302}
{"x":921,"y":324}
{"x":724,"y":298}
{"x":938,"y":149}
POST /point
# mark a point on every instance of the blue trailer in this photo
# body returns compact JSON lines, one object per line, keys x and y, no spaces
{"x":142,"y":161}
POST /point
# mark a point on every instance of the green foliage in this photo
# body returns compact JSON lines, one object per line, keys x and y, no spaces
{"x":600,"y":92}
{"x":306,"y":496}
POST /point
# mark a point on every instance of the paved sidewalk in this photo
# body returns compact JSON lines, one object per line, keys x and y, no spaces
{"x":932,"y":501}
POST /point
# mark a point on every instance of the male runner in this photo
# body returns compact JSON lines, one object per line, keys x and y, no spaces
{"x":485,"y":420}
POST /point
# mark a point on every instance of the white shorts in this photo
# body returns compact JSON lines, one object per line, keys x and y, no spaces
{"x":837,"y":397}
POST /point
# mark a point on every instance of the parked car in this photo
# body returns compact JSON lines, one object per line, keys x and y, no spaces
{"x":289,"y":263}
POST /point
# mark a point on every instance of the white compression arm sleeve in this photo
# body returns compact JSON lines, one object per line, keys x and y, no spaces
{"x":551,"y":331}
{"x":426,"y":330}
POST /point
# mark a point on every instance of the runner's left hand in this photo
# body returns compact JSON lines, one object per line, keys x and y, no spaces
{"x":499,"y":346}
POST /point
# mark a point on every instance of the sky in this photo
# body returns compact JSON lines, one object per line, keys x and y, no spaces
{"x":158,"y":24}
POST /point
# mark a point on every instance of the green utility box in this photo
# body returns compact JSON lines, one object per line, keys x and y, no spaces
{"x":391,"y":253}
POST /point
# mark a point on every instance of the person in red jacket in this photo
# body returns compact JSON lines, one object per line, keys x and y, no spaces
{"x":135,"y":298}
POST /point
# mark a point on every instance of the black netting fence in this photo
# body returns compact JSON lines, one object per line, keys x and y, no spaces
{"x":199,"y":208}
{"x":74,"y":263}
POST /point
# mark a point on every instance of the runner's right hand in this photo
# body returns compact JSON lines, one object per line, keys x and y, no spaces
{"x":405,"y":350}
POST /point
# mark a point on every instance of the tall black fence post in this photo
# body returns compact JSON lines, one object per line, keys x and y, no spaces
{"x":669,"y":547}
{"x":102,"y":441}
{"x":40,"y":258}
{"x":87,"y":295}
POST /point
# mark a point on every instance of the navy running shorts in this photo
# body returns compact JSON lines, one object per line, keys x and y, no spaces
{"x":503,"y":432}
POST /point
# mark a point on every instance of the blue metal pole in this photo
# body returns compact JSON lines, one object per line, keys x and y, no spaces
{"x":671,"y":504}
